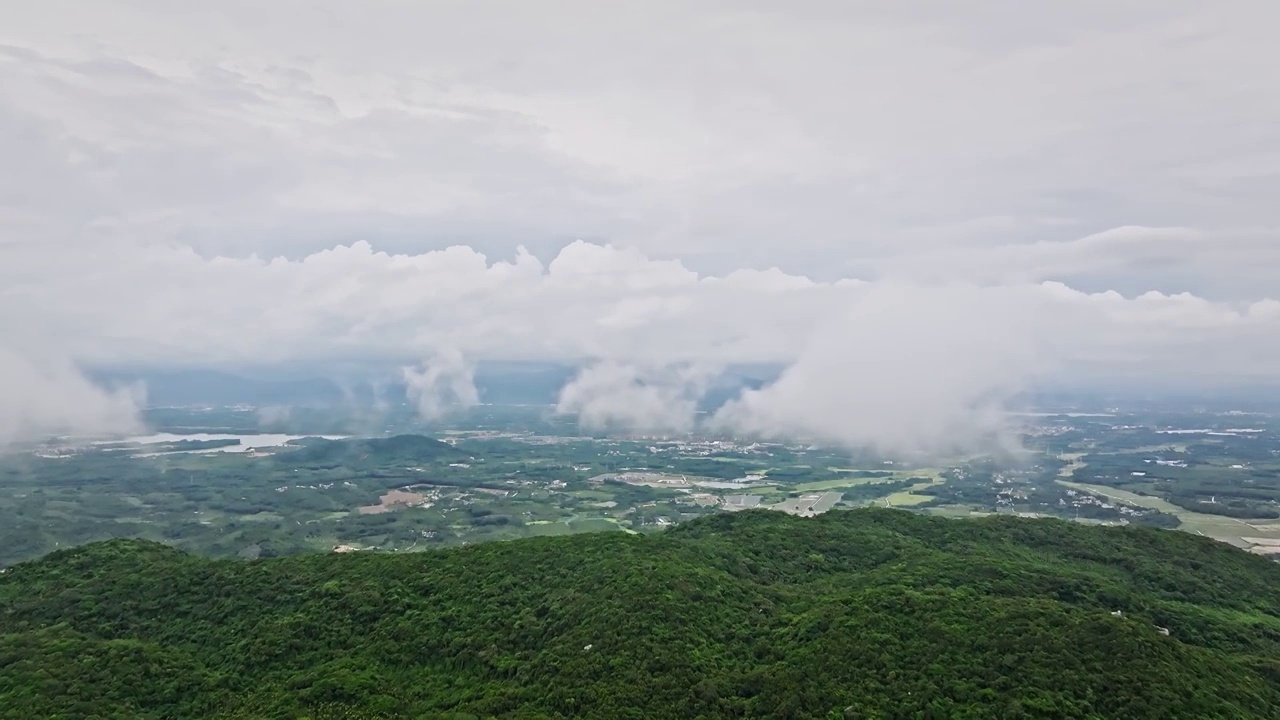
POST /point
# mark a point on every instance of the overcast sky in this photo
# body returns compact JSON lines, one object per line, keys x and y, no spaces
{"x":1010,"y":190}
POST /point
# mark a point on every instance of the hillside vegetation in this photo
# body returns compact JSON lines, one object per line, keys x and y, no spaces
{"x":854,"y":614}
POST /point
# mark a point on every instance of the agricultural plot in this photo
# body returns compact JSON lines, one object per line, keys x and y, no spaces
{"x":1226,"y":529}
{"x":842,"y":483}
{"x":909,"y":496}
{"x":805,"y":505}
{"x":497,"y":483}
{"x":860,"y":478}
{"x":956,"y":511}
{"x":733,"y":503}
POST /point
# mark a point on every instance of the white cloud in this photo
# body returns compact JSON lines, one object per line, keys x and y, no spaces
{"x":445,"y":382}
{"x":233,"y":182}
{"x":855,"y":349}
{"x":613,"y":395}
{"x":42,"y":396}
{"x":906,"y":368}
{"x":811,"y":136}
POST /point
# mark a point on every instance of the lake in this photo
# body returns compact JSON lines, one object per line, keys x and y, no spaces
{"x":247,"y":441}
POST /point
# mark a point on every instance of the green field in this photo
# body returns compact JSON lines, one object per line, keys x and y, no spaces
{"x":547,"y":527}
{"x":592,"y":494}
{"x":1215,"y":526}
{"x":1131,"y":498}
{"x":840,"y":483}
{"x":305,"y":498}
{"x":593,"y":524}
{"x":934,"y":474}
{"x":956,"y":511}
{"x":900,"y":499}
{"x":909,"y":497}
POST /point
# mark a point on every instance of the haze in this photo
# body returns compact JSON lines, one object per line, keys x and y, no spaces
{"x":917,"y":210}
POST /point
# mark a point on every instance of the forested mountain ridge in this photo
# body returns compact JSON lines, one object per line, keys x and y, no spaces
{"x":854,"y":614}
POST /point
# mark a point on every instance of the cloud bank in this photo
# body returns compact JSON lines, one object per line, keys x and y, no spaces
{"x":895,"y":362}
{"x":906,"y":369}
{"x":445,"y":381}
{"x":613,"y":395}
{"x":42,"y":397}
{"x":990,"y":195}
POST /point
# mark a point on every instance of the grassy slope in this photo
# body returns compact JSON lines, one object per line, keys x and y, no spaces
{"x":867,"y":613}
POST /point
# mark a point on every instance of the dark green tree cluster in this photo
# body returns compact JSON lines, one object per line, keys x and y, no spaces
{"x":869,"y":613}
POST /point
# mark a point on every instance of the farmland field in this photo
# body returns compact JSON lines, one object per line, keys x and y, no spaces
{"x":1216,"y":526}
{"x":842,"y":483}
{"x":513,"y":475}
{"x":909,"y":496}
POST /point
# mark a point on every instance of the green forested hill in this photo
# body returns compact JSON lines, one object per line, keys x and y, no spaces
{"x":857,"y":614}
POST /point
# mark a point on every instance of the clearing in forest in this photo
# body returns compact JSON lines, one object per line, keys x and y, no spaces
{"x":390,"y":500}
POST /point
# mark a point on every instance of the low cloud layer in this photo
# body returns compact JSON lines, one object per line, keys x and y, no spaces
{"x":44,"y":396}
{"x":131,"y":303}
{"x":614,"y":395}
{"x":896,"y":362}
{"x":992,"y":196}
{"x":906,"y":368}
{"x":445,"y":382}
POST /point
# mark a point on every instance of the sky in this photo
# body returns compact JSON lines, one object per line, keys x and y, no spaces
{"x":907,"y":204}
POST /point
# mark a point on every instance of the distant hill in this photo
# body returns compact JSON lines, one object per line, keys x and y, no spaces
{"x":369,"y":451}
{"x":854,"y":614}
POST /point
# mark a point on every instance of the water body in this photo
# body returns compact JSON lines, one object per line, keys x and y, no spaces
{"x":1062,"y":414}
{"x":247,"y":442}
{"x":1208,"y":431}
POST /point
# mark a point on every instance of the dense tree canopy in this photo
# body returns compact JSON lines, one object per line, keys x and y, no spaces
{"x":854,"y":614}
